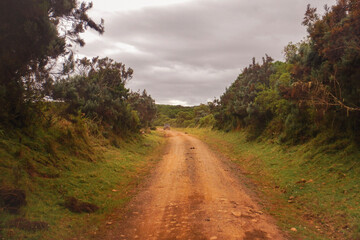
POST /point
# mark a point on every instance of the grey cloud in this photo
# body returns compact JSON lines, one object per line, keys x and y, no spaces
{"x":194,"y":50}
{"x":182,"y":88}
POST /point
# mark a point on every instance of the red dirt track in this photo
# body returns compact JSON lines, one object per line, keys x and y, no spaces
{"x":192,"y":195}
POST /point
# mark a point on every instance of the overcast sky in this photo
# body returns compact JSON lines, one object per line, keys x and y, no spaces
{"x":188,"y":51}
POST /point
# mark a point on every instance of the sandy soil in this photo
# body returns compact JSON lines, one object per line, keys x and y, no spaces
{"x":192,"y":195}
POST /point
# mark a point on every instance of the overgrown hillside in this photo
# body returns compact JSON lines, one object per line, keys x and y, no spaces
{"x":70,"y":175}
{"x":315,"y":93}
{"x":303,"y":187}
{"x":70,"y":144}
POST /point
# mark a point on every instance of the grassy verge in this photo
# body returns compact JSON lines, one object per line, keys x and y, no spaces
{"x":94,"y":171}
{"x":304,"y":188}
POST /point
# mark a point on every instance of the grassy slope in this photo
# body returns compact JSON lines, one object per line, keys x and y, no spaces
{"x":326,"y":206}
{"x":94,"y":171}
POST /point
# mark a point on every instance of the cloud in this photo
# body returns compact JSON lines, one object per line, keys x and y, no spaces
{"x":190,"y":52}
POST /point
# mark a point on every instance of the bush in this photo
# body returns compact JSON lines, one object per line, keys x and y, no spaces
{"x":207,"y":121}
{"x":100,"y":94}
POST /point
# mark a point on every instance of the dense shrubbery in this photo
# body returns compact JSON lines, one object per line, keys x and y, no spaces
{"x":30,"y":44}
{"x":317,"y":89}
{"x":100,"y":93}
{"x":144,"y":106}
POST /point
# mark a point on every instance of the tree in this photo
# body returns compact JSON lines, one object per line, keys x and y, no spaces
{"x":237,"y":104}
{"x":145,"y":107}
{"x":327,"y":68}
{"x":34,"y":33}
{"x":200,"y":112}
{"x":100,"y":93}
{"x":335,"y":42}
{"x":183,"y":119}
{"x":317,"y":88}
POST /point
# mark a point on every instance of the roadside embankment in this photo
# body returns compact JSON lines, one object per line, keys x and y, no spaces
{"x":312,"y":194}
{"x":66,"y":180}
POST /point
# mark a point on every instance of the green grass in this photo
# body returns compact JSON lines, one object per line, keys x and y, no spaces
{"x":65,"y":162}
{"x":326,"y":206}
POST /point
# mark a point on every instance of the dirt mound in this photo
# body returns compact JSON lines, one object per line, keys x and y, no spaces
{"x":27,"y":225}
{"x":78,"y":206}
{"x":12,"y":199}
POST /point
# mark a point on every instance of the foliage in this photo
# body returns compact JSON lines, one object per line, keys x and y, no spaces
{"x":71,"y":158}
{"x":33,"y":35}
{"x":50,"y":149}
{"x":100,"y":93}
{"x":180,"y":116}
{"x":237,"y":106}
{"x":171,"y":110}
{"x":327,"y":73}
{"x":314,"y":90}
{"x":183,"y":118}
{"x":144,"y":106}
{"x":161,"y":119}
{"x":201,"y":112}
{"x":176,"y":116}
{"x":207,"y":121}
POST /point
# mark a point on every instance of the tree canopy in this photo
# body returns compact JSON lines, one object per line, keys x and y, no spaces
{"x":34,"y":33}
{"x":145,"y":107}
{"x":99,"y":92}
{"x":315,"y":90}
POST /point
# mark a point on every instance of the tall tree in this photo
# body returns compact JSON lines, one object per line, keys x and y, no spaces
{"x":33,"y":34}
{"x":145,"y":107}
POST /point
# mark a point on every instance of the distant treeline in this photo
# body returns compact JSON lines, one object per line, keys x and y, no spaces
{"x":180,"y":116}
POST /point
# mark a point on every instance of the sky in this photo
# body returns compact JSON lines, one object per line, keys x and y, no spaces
{"x":187,"y":52}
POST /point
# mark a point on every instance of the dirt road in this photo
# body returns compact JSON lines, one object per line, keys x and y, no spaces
{"x":193,"y":195}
